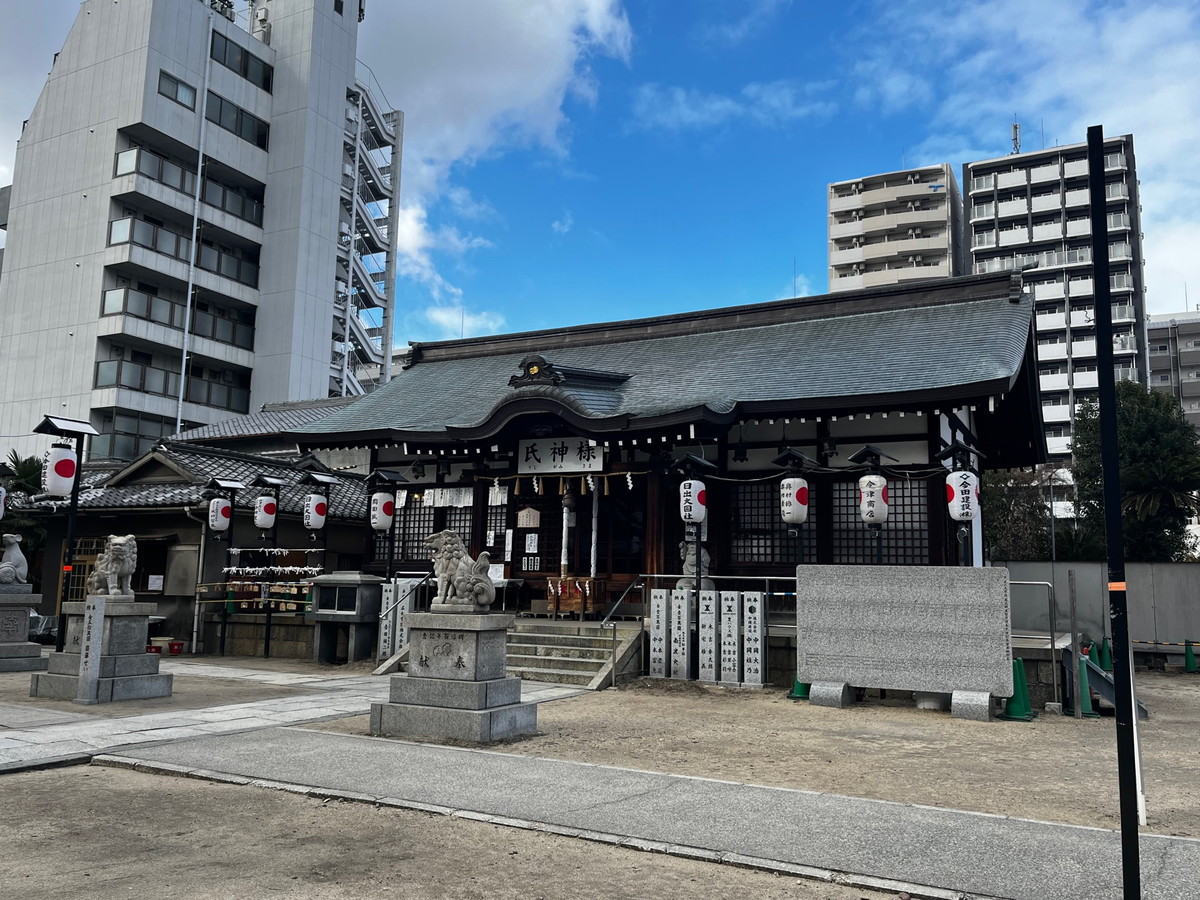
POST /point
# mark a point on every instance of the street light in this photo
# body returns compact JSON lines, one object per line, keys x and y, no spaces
{"x":77,"y":429}
{"x":375,"y":480}
{"x":222,"y":488}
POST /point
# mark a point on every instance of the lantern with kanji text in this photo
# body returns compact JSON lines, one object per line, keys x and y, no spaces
{"x":383,"y":508}
{"x":220,"y":512}
{"x":58,"y":470}
{"x":693,"y":500}
{"x":315,"y":508}
{"x":793,"y":500}
{"x":873,"y":499}
{"x":962,"y":495}
{"x":265,"y":508}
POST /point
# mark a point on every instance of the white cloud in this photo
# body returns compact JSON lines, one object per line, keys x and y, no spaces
{"x":1133,"y":67}
{"x":759,"y":15}
{"x":771,"y":104}
{"x":563,"y":225}
{"x":450,"y":322}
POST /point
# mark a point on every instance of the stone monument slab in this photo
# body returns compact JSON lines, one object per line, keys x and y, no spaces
{"x":17,"y":652}
{"x":754,"y":639}
{"x":708,"y":617}
{"x":660,"y":632}
{"x":731,"y":638}
{"x":681,"y":634}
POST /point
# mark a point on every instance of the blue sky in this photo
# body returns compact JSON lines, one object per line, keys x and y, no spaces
{"x":571,"y":161}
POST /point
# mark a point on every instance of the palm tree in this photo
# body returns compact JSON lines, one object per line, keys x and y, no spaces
{"x":1165,"y":485}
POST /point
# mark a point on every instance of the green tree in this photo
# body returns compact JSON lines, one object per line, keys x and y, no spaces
{"x":1016,"y":515}
{"x":1159,"y":458}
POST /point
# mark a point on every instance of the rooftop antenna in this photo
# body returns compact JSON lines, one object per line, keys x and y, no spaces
{"x":1016,"y":135}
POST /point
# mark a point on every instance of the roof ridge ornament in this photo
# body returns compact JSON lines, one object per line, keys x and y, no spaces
{"x":536,"y":369}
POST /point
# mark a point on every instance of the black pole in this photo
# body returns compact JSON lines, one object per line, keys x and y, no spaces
{"x":68,"y":567}
{"x":1122,"y":660}
{"x":229,"y":564}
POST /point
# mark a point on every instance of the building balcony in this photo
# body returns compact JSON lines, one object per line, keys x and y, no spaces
{"x":883,"y":195}
{"x":1080,"y":287}
{"x":1084,"y":380}
{"x":1010,"y":179}
{"x":1009,"y":208}
{"x":1010,"y":236}
{"x":848,"y":256}
{"x":1189,"y":386}
{"x":1058,"y":446}
{"x":1049,"y":290}
{"x":1046,"y":202}
{"x":855,"y":228}
{"x":1058,"y":381}
{"x":1077,"y":197}
{"x":1082,"y":318}
{"x":1052,"y":352}
{"x":1044,"y":173}
{"x":1083,"y":349}
{"x":1051,"y":322}
{"x":1078,"y":227}
{"x":1049,"y":231}
{"x":1123,"y":313}
{"x":1075,"y":168}
{"x":1056,"y":412}
{"x":1124,"y":344}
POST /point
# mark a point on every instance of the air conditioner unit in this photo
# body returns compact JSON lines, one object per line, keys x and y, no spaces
{"x":342,"y":288}
{"x":351,"y":114}
{"x":348,"y":170}
{"x":262,"y":15}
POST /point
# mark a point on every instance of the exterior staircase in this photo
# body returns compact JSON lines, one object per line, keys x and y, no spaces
{"x":567,"y":652}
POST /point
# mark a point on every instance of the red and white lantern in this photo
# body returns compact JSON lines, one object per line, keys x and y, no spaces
{"x":873,"y":499}
{"x":383,"y":507}
{"x":58,"y":470}
{"x":962,"y":495}
{"x":220,"y":513}
{"x":315,"y":509}
{"x":793,"y":500}
{"x":693,"y":501}
{"x":265,"y":508}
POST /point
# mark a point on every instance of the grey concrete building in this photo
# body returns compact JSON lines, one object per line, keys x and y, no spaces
{"x":199,"y":180}
{"x":1173,"y":345}
{"x":895,"y":228}
{"x":1031,"y":211}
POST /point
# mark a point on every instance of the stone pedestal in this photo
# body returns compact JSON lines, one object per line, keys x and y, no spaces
{"x":17,"y":653}
{"x":123,"y":669}
{"x":456,"y":688}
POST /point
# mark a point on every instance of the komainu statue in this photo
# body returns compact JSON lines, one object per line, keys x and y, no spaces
{"x":113,"y":572}
{"x":462,"y":583}
{"x":687,"y":553}
{"x":14,"y":569}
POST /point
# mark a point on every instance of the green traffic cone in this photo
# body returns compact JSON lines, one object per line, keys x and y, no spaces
{"x":1189,"y":659}
{"x":1094,"y":653}
{"x":1085,"y":693}
{"x":1106,"y":655}
{"x":799,"y":691}
{"x":1018,"y":708}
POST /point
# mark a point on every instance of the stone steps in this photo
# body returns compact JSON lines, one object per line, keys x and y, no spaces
{"x":560,"y":653}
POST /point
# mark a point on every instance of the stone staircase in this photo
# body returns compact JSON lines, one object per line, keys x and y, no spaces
{"x":561,"y":652}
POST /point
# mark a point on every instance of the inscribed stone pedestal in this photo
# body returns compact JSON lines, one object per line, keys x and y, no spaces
{"x":17,"y":652}
{"x":90,"y":645}
{"x":923,"y":628}
{"x":707,"y":619}
{"x":731,"y":638}
{"x":754,"y":639}
{"x":681,"y":635}
{"x":660,"y":633}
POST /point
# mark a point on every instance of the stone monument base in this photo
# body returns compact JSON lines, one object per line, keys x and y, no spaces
{"x":456,"y":687}
{"x":125,"y":671}
{"x":17,"y":654}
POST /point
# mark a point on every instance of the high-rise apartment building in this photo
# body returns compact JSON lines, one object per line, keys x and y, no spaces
{"x":1031,"y":211}
{"x":899,"y":227}
{"x":1173,"y":350}
{"x":199,"y":181}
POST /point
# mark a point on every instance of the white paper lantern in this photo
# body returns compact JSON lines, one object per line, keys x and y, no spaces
{"x":793,"y":500}
{"x":693,"y":501}
{"x":58,"y":470}
{"x":3,"y":494}
{"x":220,"y":513}
{"x":873,"y":499}
{"x":264,"y":512}
{"x":383,"y":507}
{"x":315,"y":508}
{"x":962,"y":495}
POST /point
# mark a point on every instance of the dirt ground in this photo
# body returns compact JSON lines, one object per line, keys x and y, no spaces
{"x":1055,"y":768}
{"x":114,"y":833}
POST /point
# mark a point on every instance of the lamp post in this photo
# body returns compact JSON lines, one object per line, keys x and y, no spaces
{"x":693,"y":503}
{"x":872,"y":493}
{"x":793,"y":492}
{"x":222,"y":488}
{"x":266,"y":509}
{"x":962,"y":492}
{"x":315,"y":510}
{"x":382,"y":518}
{"x":76,"y":429}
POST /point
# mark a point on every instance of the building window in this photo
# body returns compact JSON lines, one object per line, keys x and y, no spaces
{"x":905,"y":534}
{"x":237,"y":59}
{"x":236,"y":120}
{"x":127,"y":435}
{"x":180,"y":92}
{"x":760,"y":536}
{"x":339,"y":6}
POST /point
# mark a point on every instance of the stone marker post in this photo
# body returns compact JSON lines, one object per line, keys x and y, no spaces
{"x":731,"y":638}
{"x":708,"y":618}
{"x":660,"y":633}
{"x":754,"y":639}
{"x":91,"y":644}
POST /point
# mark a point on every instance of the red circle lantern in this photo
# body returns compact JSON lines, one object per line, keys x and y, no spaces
{"x":793,"y":500}
{"x":220,"y":512}
{"x":693,"y":501}
{"x":315,"y":509}
{"x":58,"y":470}
{"x":383,"y":507}
{"x":962,"y":495}
{"x":264,"y":512}
{"x":873,"y":499}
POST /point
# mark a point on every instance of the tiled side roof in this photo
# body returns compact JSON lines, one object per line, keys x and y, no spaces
{"x":273,"y":418}
{"x":347,"y":499}
{"x":852,"y":351}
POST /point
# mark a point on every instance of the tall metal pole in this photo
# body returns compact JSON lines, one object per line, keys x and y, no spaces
{"x":1127,"y":752}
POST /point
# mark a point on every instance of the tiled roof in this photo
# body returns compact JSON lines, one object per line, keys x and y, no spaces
{"x":272,"y":419}
{"x":954,"y":337}
{"x":175,"y":474}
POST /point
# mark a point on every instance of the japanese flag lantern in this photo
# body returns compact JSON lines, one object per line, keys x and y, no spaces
{"x":264,"y":512}
{"x":3,"y":494}
{"x":58,"y":470}
{"x":873,"y":499}
{"x":962,"y":495}
{"x":693,"y":501}
{"x":220,"y":511}
{"x":793,"y":500}
{"x":383,"y":507}
{"x":315,"y":508}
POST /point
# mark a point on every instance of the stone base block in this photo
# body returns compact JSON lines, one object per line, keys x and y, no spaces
{"x":457,"y":647}
{"x":110,"y":666}
{"x":436,"y":723}
{"x":135,"y":687}
{"x":19,"y":650}
{"x":455,"y":694}
{"x":837,"y":694}
{"x":33,"y":663}
{"x":124,"y":635}
{"x":974,"y":705}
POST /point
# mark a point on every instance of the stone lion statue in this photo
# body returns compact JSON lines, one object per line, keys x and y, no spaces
{"x":113,"y":572}
{"x":14,"y":569}
{"x":462,"y":582}
{"x":687,"y":553}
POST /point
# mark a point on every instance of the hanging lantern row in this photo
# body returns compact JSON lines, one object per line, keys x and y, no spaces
{"x":962,"y":495}
{"x":58,"y":470}
{"x":693,"y":500}
{"x":264,"y":512}
{"x":383,"y":510}
{"x":220,"y":513}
